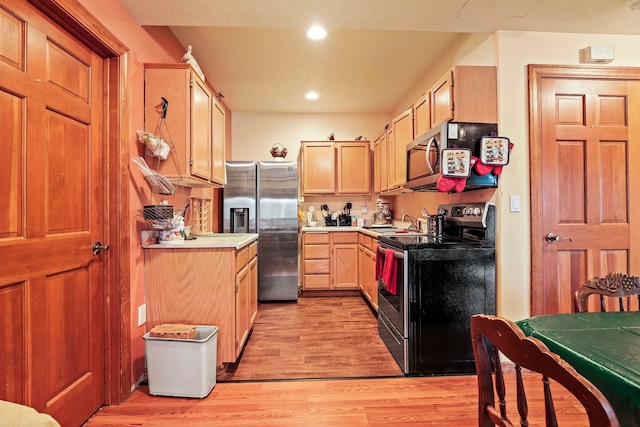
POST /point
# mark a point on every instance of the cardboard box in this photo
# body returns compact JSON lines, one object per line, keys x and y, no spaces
{"x":179,"y":331}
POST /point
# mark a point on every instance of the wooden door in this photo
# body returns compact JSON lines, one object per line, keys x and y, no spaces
{"x":583,"y":179}
{"x":51,"y":213}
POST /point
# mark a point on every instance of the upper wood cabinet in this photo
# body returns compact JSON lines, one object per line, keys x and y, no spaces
{"x":402,"y":134}
{"x":335,"y":167}
{"x":318,"y":167}
{"x":218,"y":169}
{"x":380,"y":177}
{"x":465,"y":94}
{"x":354,"y":167}
{"x":192,"y":125}
{"x":421,"y":115}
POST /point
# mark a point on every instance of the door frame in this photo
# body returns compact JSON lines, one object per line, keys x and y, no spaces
{"x":536,"y":73}
{"x":73,"y":17}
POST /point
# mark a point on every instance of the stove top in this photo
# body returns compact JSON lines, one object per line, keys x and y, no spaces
{"x":470,"y":225}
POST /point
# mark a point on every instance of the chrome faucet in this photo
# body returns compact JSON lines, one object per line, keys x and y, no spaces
{"x":412,"y":220}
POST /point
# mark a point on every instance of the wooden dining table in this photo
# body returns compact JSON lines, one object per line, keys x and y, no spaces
{"x":603,"y":347}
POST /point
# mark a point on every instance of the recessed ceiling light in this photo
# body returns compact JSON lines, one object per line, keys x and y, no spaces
{"x":312,"y":95}
{"x":316,"y":33}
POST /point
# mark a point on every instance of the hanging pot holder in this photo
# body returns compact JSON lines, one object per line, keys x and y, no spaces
{"x":494,"y":150}
{"x":456,"y":162}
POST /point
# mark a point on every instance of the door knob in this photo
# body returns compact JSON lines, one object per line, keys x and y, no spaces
{"x":553,"y":237}
{"x":97,"y":247}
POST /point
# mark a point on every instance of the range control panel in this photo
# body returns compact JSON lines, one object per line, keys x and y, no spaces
{"x":468,"y":214}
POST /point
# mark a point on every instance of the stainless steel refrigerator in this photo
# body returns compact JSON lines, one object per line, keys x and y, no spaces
{"x":262,"y":197}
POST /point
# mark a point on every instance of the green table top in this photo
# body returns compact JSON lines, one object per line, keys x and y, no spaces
{"x":603,"y":347}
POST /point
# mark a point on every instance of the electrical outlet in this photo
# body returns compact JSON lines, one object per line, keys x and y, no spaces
{"x":142,"y":314}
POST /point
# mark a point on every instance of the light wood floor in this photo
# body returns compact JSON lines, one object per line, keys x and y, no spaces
{"x":315,"y":338}
{"x":445,"y":401}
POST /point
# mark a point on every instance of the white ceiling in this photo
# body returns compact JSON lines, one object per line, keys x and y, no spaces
{"x":256,"y":54}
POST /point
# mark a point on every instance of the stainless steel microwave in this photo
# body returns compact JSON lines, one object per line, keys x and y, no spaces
{"x":424,"y":154}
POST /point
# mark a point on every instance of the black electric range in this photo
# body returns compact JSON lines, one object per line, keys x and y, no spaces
{"x":439,"y":282}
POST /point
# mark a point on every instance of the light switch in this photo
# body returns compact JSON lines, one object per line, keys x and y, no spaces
{"x":514,"y":200}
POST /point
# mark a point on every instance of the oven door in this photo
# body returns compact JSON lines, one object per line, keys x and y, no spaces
{"x":394,"y":305}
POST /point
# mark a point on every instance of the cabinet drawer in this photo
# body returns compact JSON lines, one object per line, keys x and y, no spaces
{"x":316,"y":281}
{"x":316,"y":266}
{"x":370,"y":242}
{"x":316,"y":238}
{"x":316,"y":252}
{"x":362,"y":238}
{"x":253,"y":250}
{"x":345,"y":237}
{"x":242,"y":258}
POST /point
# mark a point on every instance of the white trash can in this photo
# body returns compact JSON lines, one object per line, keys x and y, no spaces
{"x":182,"y":367}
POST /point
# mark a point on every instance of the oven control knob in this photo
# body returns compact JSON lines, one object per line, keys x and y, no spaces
{"x":477,"y":211}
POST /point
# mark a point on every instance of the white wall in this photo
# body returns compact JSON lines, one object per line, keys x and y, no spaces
{"x":516,"y":50}
{"x":253,"y":134}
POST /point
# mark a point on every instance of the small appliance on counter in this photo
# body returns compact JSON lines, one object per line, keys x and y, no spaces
{"x":384,"y":215}
{"x":330,"y":220}
{"x":344,"y":219}
{"x":312,"y":219}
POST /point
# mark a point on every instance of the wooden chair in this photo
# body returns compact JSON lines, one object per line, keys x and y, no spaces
{"x":613,"y":285}
{"x":529,"y":353}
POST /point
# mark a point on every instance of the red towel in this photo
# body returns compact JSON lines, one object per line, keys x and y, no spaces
{"x":379,"y":264}
{"x":389,"y":272}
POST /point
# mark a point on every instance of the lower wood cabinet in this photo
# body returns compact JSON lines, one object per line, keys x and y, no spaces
{"x":208,"y":286}
{"x":367,"y":272}
{"x":330,"y":260}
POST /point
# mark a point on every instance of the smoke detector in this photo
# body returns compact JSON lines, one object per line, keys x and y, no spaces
{"x":599,"y":54}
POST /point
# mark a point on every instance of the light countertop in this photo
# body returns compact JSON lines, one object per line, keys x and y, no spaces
{"x":369,"y":231}
{"x":214,"y":240}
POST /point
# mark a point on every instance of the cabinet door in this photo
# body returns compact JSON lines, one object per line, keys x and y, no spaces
{"x":362,"y":277}
{"x":318,"y":168}
{"x":402,"y":135}
{"x":441,"y":97}
{"x":380,"y":160}
{"x":200,"y":129}
{"x":253,"y":290}
{"x":388,"y":160}
{"x":370,"y":274}
{"x":421,"y":116}
{"x":243,"y":287}
{"x":344,"y":263}
{"x":475,"y":94}
{"x":218,"y":173}
{"x":354,"y":167}
{"x":377,"y":154}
